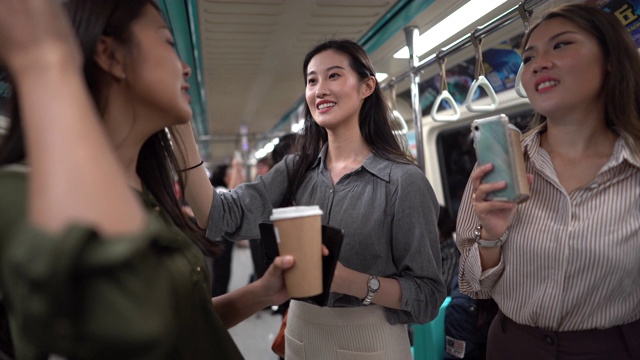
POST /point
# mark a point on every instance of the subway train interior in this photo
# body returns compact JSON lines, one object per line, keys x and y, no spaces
{"x":247,"y":86}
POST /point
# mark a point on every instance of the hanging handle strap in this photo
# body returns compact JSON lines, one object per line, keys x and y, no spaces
{"x":526,"y":17}
{"x":402,"y":128}
{"x":518,"y":86}
{"x":444,"y":95}
{"x":480,"y":81}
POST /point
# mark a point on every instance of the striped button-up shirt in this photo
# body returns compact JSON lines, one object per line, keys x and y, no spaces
{"x":572,"y":260}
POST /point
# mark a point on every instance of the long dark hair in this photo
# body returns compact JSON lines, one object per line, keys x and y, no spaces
{"x":621,"y":86}
{"x":157,"y":166}
{"x":374,"y":120}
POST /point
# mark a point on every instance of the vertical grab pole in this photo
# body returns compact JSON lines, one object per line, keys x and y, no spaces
{"x":411,"y":34}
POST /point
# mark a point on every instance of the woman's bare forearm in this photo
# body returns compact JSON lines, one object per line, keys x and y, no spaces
{"x":199,"y":192}
{"x":75,"y":176}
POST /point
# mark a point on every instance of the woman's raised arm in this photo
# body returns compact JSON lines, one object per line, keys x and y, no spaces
{"x":75,"y":177}
{"x":199,"y":192}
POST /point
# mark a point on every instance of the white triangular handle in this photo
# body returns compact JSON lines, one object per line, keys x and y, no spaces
{"x":518,"y":86}
{"x":445,"y":96}
{"x":482,"y":82}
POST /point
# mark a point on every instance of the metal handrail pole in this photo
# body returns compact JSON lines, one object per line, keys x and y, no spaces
{"x":411,"y":34}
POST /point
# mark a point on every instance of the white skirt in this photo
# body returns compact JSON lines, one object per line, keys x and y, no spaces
{"x":347,"y":333}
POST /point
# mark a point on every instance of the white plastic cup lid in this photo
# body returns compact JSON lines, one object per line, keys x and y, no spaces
{"x":295,"y":212}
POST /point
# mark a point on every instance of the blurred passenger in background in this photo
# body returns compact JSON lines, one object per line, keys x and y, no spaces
{"x":466,"y":319}
{"x":448,"y":250}
{"x":287,"y":145}
{"x":263,"y":165}
{"x":224,"y":178}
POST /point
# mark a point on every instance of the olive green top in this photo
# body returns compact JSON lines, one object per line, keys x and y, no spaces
{"x":144,"y":296}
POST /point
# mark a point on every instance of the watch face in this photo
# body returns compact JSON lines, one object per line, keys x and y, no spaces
{"x":477,"y":232}
{"x":374,"y":283}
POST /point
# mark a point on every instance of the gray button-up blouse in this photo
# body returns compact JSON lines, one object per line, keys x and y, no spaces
{"x":387,"y":210}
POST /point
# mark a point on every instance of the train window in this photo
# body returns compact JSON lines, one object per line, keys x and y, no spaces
{"x":456,"y":158}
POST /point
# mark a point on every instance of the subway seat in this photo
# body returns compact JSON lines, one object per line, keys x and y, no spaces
{"x":429,"y":339}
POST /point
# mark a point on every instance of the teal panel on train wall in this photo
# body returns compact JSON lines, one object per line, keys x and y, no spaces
{"x":401,"y":14}
{"x":182,"y":17}
{"x":393,"y":21}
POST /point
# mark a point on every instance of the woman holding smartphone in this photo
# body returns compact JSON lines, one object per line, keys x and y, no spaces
{"x":563,"y":267}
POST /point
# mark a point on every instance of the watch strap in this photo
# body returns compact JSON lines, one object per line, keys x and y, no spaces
{"x":489,"y":243}
{"x":371,"y":291}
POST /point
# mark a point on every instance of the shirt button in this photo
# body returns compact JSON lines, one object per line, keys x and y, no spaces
{"x":198,"y":268}
{"x":331,"y":191}
{"x":549,"y":340}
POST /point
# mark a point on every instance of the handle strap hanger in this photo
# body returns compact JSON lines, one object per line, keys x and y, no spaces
{"x":401,"y":125}
{"x":480,"y":81}
{"x":444,"y":95}
{"x":525,"y":15}
{"x":477,"y":45}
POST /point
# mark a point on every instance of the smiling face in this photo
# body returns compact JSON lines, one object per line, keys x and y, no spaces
{"x":564,"y":69}
{"x":155,"y":74}
{"x":334,"y":92}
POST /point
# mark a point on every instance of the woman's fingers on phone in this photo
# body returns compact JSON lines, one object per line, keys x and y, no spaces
{"x":478,"y":173}
{"x":481,"y":171}
{"x":482,"y":190}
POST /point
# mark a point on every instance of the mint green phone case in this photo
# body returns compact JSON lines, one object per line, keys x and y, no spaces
{"x":493,"y":144}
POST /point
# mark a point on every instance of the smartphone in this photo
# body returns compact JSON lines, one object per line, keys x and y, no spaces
{"x":496,"y":141}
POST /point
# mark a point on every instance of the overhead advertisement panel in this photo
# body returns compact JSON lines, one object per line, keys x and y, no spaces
{"x":626,"y":11}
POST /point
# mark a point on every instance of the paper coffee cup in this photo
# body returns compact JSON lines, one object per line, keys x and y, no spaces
{"x":298,"y":230}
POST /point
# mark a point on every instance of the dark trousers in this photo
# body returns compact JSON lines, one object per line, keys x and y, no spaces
{"x":221,"y":269}
{"x":509,"y":340}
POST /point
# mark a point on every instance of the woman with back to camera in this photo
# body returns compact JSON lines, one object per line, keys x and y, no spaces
{"x":567,"y":277}
{"x":352,"y":167}
{"x":87,"y":269}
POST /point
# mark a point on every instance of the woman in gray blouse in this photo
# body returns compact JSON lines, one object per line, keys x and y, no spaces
{"x":352,"y":167}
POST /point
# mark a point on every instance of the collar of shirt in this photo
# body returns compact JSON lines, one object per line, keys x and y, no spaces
{"x":621,"y":151}
{"x":375,"y":165}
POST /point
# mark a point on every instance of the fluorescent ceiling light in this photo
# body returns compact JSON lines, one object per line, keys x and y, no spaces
{"x":381,"y":76}
{"x":451,"y":25}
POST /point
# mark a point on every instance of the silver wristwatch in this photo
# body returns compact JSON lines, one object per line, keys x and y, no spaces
{"x":373,"y":284}
{"x":477,"y":233}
